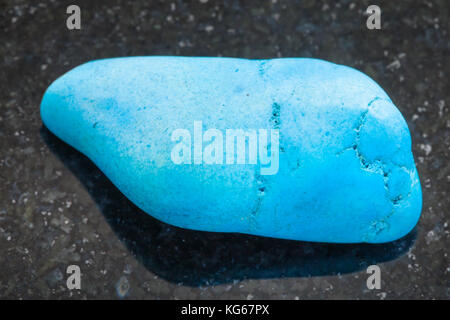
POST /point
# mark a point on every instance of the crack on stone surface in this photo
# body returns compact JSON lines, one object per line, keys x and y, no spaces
{"x":261,"y":190}
{"x":275,"y":121}
{"x":260,"y":180}
{"x":375,"y":99}
{"x":275,"y":118}
{"x":262,"y":68}
{"x":376,"y":166}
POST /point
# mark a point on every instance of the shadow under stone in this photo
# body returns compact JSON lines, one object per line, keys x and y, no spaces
{"x":198,"y":258}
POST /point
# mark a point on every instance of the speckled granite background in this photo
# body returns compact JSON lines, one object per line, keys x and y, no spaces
{"x":58,"y":209}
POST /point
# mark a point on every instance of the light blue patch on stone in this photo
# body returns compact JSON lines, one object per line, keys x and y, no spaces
{"x":345,"y":170}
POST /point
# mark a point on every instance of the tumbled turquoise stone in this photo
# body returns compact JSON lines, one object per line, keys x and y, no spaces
{"x":344,"y":173}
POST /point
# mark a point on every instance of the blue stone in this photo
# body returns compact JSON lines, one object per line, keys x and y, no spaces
{"x":325,"y":155}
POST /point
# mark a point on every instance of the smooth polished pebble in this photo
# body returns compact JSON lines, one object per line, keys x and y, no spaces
{"x":328,"y":157}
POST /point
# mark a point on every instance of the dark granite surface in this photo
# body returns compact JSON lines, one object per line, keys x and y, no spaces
{"x":58,"y":209}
